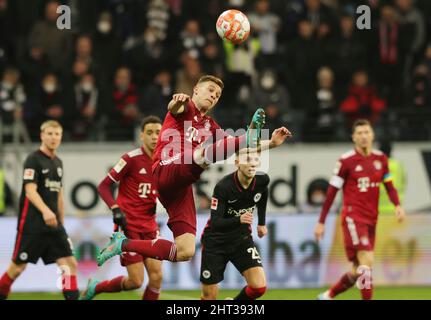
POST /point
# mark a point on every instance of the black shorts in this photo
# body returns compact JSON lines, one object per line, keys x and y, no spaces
{"x":243,"y":256}
{"x":48,"y":246}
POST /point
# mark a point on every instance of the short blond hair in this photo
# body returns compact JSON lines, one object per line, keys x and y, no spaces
{"x":211,"y":78}
{"x":50,"y":124}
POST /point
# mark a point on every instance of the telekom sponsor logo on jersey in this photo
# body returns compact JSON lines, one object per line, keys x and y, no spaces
{"x":364,"y":184}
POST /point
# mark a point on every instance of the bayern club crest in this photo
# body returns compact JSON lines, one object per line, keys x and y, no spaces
{"x":377,"y":165}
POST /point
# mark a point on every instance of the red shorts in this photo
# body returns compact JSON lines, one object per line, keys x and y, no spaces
{"x":128,"y":258}
{"x":174,"y":185}
{"x":358,"y":236}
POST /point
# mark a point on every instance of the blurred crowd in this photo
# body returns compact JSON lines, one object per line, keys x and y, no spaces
{"x":306,"y":63}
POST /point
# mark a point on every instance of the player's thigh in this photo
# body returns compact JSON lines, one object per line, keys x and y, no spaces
{"x":135,"y":273}
{"x":154,"y":270}
{"x":213,"y":265}
{"x":176,"y":175}
{"x":209,"y":291}
{"x":60,"y":246}
{"x":255,"y":277}
{"x":356,"y":238}
{"x":180,"y":205}
{"x":29,"y":248}
{"x":246,"y":256}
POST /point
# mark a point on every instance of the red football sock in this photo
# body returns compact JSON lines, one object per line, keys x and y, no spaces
{"x":114,"y":285}
{"x":151,"y":294}
{"x":346,"y":282}
{"x":70,"y":287}
{"x":367,"y":289}
{"x":224,"y":148}
{"x":69,"y":283}
{"x":5,"y":284}
{"x":159,"y":249}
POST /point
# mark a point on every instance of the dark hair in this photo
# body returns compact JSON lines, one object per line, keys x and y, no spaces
{"x":210,"y":78}
{"x":149,"y":119}
{"x":360,"y":122}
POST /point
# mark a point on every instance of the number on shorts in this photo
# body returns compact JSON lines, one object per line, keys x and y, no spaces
{"x":254,"y":254}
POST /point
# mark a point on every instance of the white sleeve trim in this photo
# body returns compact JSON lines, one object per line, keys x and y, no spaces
{"x":109,"y":175}
{"x":337,"y":182}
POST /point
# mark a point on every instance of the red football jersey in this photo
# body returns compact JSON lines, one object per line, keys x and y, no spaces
{"x":137,"y":197}
{"x":182,"y":133}
{"x":360,"y":178}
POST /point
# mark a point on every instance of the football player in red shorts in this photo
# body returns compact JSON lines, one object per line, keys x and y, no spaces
{"x":359,"y":173}
{"x":189,"y":142}
{"x":134,"y":211}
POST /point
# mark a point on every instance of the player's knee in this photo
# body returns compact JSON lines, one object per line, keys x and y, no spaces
{"x":155,"y":278}
{"x":134,"y":283}
{"x":256,"y":292}
{"x":185,"y":254}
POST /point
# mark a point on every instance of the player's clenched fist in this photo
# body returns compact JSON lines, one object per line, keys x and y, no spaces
{"x":246,"y":218}
{"x":181,"y":97}
{"x":50,"y":219}
{"x":319,"y":231}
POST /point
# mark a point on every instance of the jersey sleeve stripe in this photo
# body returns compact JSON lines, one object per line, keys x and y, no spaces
{"x":109,"y":175}
{"x":337,"y":182}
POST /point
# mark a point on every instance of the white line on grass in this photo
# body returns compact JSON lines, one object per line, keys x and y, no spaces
{"x":177,"y":296}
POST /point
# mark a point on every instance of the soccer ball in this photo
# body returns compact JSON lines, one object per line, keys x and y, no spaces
{"x":233,"y":25}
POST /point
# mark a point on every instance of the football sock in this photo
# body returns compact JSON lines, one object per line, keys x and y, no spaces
{"x":114,"y":285}
{"x":346,"y":282}
{"x":151,"y":293}
{"x":367,"y":289}
{"x":70,"y":287}
{"x":224,"y":148}
{"x":159,"y":249}
{"x":249,"y":293}
{"x":5,"y":284}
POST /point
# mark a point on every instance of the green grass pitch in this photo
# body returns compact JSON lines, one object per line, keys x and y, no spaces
{"x":380,"y":293}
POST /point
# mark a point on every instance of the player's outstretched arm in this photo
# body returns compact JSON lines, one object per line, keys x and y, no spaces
{"x":35,"y":198}
{"x":278,"y":137}
{"x":178,"y":103}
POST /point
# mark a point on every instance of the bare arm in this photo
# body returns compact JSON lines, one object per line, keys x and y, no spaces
{"x":178,"y":103}
{"x":35,"y":198}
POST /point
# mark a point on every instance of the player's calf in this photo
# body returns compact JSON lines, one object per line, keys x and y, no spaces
{"x":209,"y":291}
{"x":8,"y":278}
{"x":250,"y":293}
{"x":69,"y":282}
